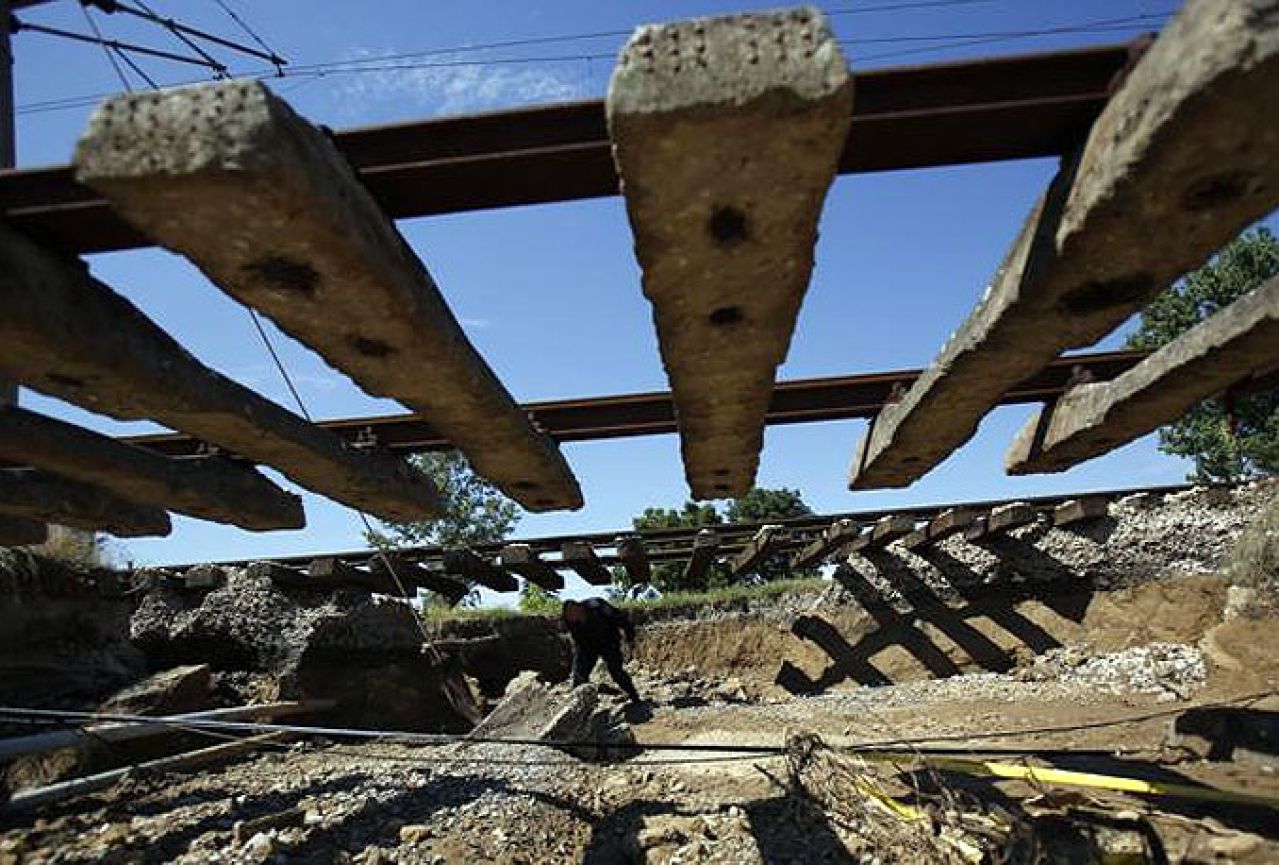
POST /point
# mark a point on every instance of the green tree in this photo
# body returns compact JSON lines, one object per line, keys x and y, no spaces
{"x":535,"y":599}
{"x":669,"y":576}
{"x":758,"y":505}
{"x":475,"y":511}
{"x":1229,"y":438}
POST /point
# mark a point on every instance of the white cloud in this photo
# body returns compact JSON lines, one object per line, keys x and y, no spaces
{"x":437,"y":88}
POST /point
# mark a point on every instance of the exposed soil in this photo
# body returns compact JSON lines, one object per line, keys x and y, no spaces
{"x":1152,"y":651}
{"x":1168,"y":677}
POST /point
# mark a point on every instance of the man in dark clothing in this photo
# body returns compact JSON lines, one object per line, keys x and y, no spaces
{"x":595,"y":626}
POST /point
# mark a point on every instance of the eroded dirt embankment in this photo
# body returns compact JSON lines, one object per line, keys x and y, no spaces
{"x":1145,"y":670}
{"x":1145,"y":572}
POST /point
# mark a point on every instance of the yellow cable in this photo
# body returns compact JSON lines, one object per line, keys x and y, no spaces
{"x":1068,"y":778}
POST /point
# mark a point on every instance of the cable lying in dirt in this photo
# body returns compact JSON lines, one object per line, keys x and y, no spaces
{"x":16,"y":714}
{"x":947,"y":759}
{"x":950,"y":758}
{"x":391,"y":736}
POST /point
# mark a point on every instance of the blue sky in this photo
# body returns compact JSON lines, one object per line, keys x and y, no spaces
{"x":550,"y":294}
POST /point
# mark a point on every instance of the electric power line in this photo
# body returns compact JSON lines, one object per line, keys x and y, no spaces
{"x":387,"y":564}
{"x":178,"y":33}
{"x":19,"y":26}
{"x":275,"y":58}
{"x":387,"y":63}
{"x":105,"y":49}
{"x":138,"y":70}
{"x":184,"y":32}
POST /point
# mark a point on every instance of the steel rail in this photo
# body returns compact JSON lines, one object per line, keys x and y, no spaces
{"x":609,"y":417}
{"x":733,"y":536}
{"x":1012,"y":107}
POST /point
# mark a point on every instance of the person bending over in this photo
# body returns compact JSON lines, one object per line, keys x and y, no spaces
{"x":597,"y":627}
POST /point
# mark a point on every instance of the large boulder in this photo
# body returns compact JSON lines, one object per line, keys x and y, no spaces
{"x":171,"y":692}
{"x":364,"y":652}
{"x":250,"y":623}
{"x":532,"y":709}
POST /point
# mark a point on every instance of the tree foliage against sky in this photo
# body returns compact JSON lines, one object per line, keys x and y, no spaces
{"x":475,"y":511}
{"x":758,"y":505}
{"x":1228,"y":438}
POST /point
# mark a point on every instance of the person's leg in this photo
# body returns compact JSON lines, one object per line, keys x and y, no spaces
{"x":583,"y":662}
{"x":613,"y":658}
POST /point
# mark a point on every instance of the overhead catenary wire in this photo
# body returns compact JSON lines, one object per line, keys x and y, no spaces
{"x":124,"y":81}
{"x":19,"y":26}
{"x":276,"y":59}
{"x":389,"y":62}
{"x":179,"y":33}
{"x":387,"y":564}
{"x":137,"y":69}
{"x":1115,"y":25}
{"x":182,"y":31}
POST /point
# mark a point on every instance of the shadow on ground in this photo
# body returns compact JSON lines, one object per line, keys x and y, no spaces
{"x":906,"y":620}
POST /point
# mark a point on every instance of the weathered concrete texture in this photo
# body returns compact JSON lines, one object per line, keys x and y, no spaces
{"x":264,"y":204}
{"x":366,"y":654}
{"x":521,"y":559}
{"x":1080,"y":510}
{"x":1179,"y":161}
{"x":66,"y":334}
{"x":763,"y":545}
{"x":726,"y":133}
{"x":891,"y":527}
{"x":915,"y":538}
{"x":36,"y":495}
{"x":1092,"y":419}
{"x":631,"y":552}
{"x":1000,"y":520}
{"x":705,"y":548}
{"x":17,"y":532}
{"x":399,"y":571}
{"x":885,"y":530}
{"x":580,"y":556}
{"x":467,"y":564}
{"x":333,"y":573}
{"x":839,"y":535}
{"x":533,"y":710}
{"x":1143,"y":537}
{"x":171,"y":692}
{"x":214,"y":488}
{"x":949,"y":522}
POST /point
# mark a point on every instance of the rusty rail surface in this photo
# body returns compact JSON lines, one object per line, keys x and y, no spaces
{"x":1014,"y":107}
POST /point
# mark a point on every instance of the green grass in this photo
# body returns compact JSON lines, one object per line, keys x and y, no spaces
{"x":726,"y":595}
{"x":672,"y":600}
{"x":440,"y":613}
